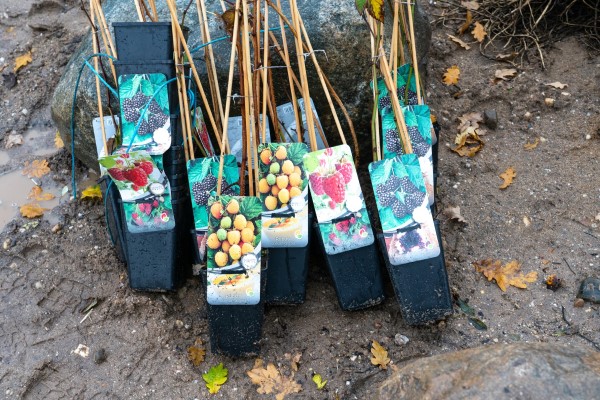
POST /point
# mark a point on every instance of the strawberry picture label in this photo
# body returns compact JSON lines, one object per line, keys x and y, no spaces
{"x":202,"y":178}
{"x":339,"y":203}
{"x":146,"y":206}
{"x":233,"y":250}
{"x":283,"y":189}
{"x":402,"y":203}
{"x":145,"y":115}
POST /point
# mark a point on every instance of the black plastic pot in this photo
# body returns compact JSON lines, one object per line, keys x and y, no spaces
{"x":183,"y":223}
{"x":151,"y":258}
{"x":111,"y":198}
{"x":356,"y":275}
{"x":236,"y":330}
{"x":286,"y":273}
{"x":143,"y":41}
{"x":421,"y":287}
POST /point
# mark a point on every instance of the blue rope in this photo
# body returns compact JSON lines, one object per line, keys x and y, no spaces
{"x":114,"y":92}
{"x":203,"y":45}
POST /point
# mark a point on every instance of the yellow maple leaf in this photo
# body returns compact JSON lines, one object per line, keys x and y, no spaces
{"x":380,"y":355}
{"x":36,"y":169}
{"x":91,"y":193}
{"x":508,"y":176}
{"x":22,"y":61}
{"x":58,"y":142}
{"x":38,"y":194}
{"x":531,"y":146}
{"x":505,"y":275}
{"x":479,"y":32}
{"x":269,"y":380}
{"x":466,"y":24}
{"x":451,"y":75}
{"x":32,"y":210}
{"x":376,"y":9}
{"x":196,"y":353}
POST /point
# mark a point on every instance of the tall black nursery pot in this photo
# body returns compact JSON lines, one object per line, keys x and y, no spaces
{"x":112,"y":197}
{"x":356,"y":275}
{"x":143,"y":41}
{"x":421,"y":287}
{"x":235,"y":330}
{"x":286,"y":273}
{"x":151,"y":258}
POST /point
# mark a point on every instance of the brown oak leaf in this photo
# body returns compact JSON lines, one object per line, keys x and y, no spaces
{"x":196,"y":353}
{"x":508,"y":177}
{"x":380,"y":355}
{"x":505,"y":275}
{"x":38,"y":194}
{"x":479,"y":32}
{"x":452,"y":75}
{"x":454,"y":213}
{"x":531,"y":146}
{"x":36,"y":169}
{"x":468,"y":143}
{"x":459,"y":42}
{"x":270,"y":380}
{"x":32,"y":210}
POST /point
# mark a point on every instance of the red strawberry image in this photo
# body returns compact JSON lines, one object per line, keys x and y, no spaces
{"x":332,"y":204}
{"x":316,"y":183}
{"x":145,"y":165}
{"x":116,"y":173}
{"x":137,"y":176}
{"x":346,"y":170}
{"x":334,"y":187}
{"x":135,"y":188}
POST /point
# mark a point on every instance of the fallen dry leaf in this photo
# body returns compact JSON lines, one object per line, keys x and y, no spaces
{"x":459,"y":42}
{"x":451,"y":75}
{"x":469,"y":120}
{"x":13,"y":139}
{"x":38,"y":194}
{"x":380,"y":355}
{"x":506,"y":57}
{"x":196,"y":353}
{"x":470,"y":5}
{"x":32,"y":210}
{"x":269,"y":381}
{"x":505,"y":275}
{"x":294,"y":360}
{"x":468,"y":143}
{"x":508,"y":176}
{"x":466,"y":24}
{"x":58,"y":142}
{"x":531,"y":146}
{"x":454,"y":213}
{"x":22,"y":61}
{"x":504,"y":74}
{"x":557,"y":85}
{"x":479,"y":32}
{"x":36,"y":169}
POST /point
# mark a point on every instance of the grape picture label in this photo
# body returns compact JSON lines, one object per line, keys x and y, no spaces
{"x":283,"y":189}
{"x":145,"y":114}
{"x":233,"y":250}
{"x":144,"y":189}
{"x":202,"y":178}
{"x":338,"y":199}
{"x":402,"y":203}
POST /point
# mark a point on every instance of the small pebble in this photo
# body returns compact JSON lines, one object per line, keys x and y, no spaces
{"x":24,"y":111}
{"x":590,"y":290}
{"x":6,"y":244}
{"x":490,"y":118}
{"x":38,"y":285}
{"x":100,"y":356}
{"x":179,"y":323}
{"x":527,"y":116}
{"x":56,"y":228}
{"x":549,"y":102}
{"x":400,"y":339}
{"x":578,"y":303}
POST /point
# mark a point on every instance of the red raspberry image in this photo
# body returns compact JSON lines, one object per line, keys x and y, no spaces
{"x":346,"y":170}
{"x":146,"y":208}
{"x":145,"y":165}
{"x":116,"y":173}
{"x":137,"y":176}
{"x":316,"y":184}
{"x":135,"y":188}
{"x":155,"y":203}
{"x":334,"y":187}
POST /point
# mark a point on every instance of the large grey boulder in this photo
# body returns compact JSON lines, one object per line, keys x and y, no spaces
{"x":516,"y":371}
{"x":333,"y":26}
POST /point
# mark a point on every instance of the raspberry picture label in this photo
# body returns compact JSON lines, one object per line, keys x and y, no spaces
{"x":283,"y":190}
{"x":419,"y":126}
{"x":202,"y":178}
{"x":233,"y":250}
{"x":404,"y":212}
{"x":338,"y":199}
{"x":145,"y":115}
{"x":144,"y":190}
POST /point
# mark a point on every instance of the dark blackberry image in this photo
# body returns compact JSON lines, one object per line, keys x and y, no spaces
{"x":420,"y":146}
{"x":157,"y":121}
{"x":201,"y":190}
{"x":420,"y":149}
{"x":407,"y":97}
{"x":131,"y":107}
{"x":414,"y":200}
{"x":399,"y":209}
{"x":154,"y":108}
{"x":385,"y":197}
{"x":411,"y":239}
{"x":384,"y":102}
{"x":392,"y":141}
{"x":392,"y":183}
{"x":144,"y":128}
{"x":407,"y":186}
{"x":229,"y":190}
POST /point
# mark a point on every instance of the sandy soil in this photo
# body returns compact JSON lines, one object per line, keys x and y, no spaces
{"x":48,"y":277}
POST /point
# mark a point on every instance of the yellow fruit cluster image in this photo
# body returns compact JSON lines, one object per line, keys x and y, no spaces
{"x":234,"y":229}
{"x":281,"y":172}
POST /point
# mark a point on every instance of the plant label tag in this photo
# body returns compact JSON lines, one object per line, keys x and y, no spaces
{"x":202,"y":178}
{"x":109,"y":129}
{"x":138,"y":180}
{"x":145,"y":115}
{"x":233,"y":250}
{"x":287,"y":122}
{"x":283,"y":189}
{"x":234,"y":131}
{"x":406,"y":219}
{"x":338,"y":199}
